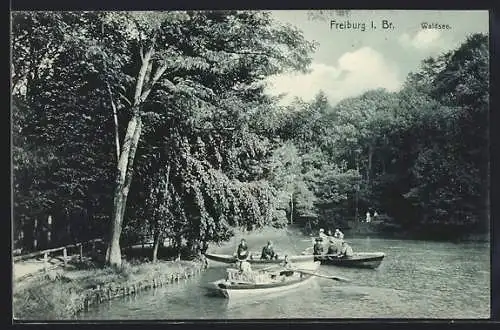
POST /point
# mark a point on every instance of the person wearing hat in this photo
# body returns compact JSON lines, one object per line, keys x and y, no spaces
{"x":322,"y":234}
{"x":334,"y":247}
{"x":346,"y":250}
{"x":318,"y":248}
{"x":242,"y":251}
{"x":287,"y":267}
{"x":268,"y":252}
{"x":338,"y":234}
{"x":245,"y":271}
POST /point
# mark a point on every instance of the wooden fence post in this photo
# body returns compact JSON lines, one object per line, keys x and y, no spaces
{"x":65,"y":255}
{"x":49,"y":230}
{"x":35,"y":232}
{"x":81,"y":251}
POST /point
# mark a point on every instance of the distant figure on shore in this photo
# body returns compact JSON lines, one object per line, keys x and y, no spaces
{"x":375,"y":215}
{"x":242,"y":251}
{"x":338,"y":234}
{"x":268,"y":252}
{"x":368,"y":218}
{"x":346,"y":250}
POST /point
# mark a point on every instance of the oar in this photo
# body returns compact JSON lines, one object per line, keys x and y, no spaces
{"x":336,"y":278}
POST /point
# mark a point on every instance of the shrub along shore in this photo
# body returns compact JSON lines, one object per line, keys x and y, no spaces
{"x":63,"y":293}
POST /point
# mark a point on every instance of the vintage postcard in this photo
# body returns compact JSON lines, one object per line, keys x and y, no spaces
{"x":224,"y":165}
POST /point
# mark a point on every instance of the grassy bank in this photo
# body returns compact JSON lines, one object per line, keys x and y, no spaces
{"x":61,"y":294}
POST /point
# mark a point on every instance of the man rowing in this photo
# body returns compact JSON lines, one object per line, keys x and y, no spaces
{"x":334,"y":247}
{"x":345,"y":251}
{"x":287,"y":266}
{"x":242,"y":272}
{"x":242,"y":251}
{"x":268,"y":252}
{"x":318,"y":248}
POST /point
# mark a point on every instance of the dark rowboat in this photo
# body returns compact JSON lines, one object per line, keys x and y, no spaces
{"x":271,"y":284}
{"x":358,"y":260}
{"x":229,"y":259}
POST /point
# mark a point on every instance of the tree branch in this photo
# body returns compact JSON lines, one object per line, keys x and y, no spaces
{"x":115,"y":117}
{"x":131,"y":155}
{"x":161,"y":70}
{"x":123,"y":97}
{"x":141,"y":75}
{"x":147,"y":77}
{"x":126,"y":146}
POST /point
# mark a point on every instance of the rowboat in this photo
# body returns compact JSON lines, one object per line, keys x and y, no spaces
{"x":267,"y":283}
{"x":298,"y":260}
{"x":358,"y":260}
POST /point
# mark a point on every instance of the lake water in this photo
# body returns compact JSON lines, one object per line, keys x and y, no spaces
{"x":417,"y":279}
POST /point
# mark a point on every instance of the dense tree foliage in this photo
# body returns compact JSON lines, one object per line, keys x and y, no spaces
{"x":418,"y":156}
{"x":175,"y":88}
{"x":158,"y":123}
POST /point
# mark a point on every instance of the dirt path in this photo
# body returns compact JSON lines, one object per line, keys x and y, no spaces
{"x":24,"y":269}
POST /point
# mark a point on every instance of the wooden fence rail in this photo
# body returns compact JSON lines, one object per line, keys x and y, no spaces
{"x":64,"y":250}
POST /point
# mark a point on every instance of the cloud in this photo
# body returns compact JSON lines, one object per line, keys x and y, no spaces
{"x":423,"y":40}
{"x":355,"y":72}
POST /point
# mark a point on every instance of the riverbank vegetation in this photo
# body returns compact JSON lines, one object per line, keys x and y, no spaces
{"x":157,"y":124}
{"x":62,"y":293}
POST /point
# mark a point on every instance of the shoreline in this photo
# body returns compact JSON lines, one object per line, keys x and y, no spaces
{"x":64,"y":293}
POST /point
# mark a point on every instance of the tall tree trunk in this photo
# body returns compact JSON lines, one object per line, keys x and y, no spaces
{"x":157,"y":240}
{"x":158,"y":235}
{"x":123,"y":181}
{"x":128,"y":151}
{"x":115,"y":120}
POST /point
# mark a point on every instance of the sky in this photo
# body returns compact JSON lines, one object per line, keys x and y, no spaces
{"x":348,"y":62}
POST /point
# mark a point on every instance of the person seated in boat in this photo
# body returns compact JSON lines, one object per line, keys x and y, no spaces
{"x":268,"y":252}
{"x":318,"y":248}
{"x":242,"y":251}
{"x":245,"y":267}
{"x":345,"y":251}
{"x":334,"y":247}
{"x":287,"y":266}
{"x":338,"y":234}
{"x":322,"y":234}
{"x":246,"y":273}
